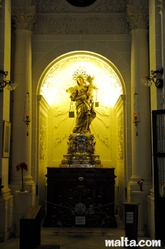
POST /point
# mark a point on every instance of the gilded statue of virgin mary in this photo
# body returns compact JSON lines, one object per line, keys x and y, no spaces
{"x":82,"y":95}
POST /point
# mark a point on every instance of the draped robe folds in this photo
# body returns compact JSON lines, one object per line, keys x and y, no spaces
{"x":85,"y":113}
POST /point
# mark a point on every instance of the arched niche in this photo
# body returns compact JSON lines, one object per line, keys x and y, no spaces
{"x":55,"y":104}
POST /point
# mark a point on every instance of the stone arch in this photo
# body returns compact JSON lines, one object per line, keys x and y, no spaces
{"x":79,"y":54}
{"x":61,"y":48}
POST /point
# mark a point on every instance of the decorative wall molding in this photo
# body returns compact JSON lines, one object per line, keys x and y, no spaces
{"x":119,"y":110}
{"x":78,"y":24}
{"x":42,"y":136}
{"x":43,"y":109}
{"x":107,"y":17}
{"x":60,"y":125}
{"x":62,"y":6}
{"x":120,"y":137}
{"x":24,"y":17}
{"x":137,"y":16}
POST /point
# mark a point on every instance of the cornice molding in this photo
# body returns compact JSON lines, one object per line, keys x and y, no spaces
{"x":137,"y":16}
{"x":24,"y":17}
{"x":79,"y":24}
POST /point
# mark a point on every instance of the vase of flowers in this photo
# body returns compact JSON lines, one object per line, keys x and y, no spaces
{"x":22,"y":167}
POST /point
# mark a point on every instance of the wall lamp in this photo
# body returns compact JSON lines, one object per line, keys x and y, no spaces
{"x":26,"y":115}
{"x":155,"y":77}
{"x":3,"y":82}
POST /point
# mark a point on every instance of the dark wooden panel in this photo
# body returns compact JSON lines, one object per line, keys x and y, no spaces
{"x":86,"y":193}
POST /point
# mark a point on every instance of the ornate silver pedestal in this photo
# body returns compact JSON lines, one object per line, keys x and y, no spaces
{"x":81,"y":148}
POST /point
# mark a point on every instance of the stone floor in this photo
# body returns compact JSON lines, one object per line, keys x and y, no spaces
{"x":74,"y":238}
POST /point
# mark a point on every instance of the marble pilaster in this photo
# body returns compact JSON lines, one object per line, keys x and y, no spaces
{"x":137,"y":16}
{"x":23,"y":18}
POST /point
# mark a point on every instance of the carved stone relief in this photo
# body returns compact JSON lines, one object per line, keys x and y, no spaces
{"x":24,"y":17}
{"x":107,"y":17}
{"x":59,"y":125}
{"x":120,"y":137}
{"x":137,"y":16}
{"x":81,"y":24}
{"x":42,"y":137}
{"x":103,"y":128}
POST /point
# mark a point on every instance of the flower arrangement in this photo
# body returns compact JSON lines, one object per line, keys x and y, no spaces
{"x":22,"y":166}
{"x":140,"y":182}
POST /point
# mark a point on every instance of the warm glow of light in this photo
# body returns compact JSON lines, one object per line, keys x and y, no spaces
{"x":59,"y":78}
{"x":27,"y":115}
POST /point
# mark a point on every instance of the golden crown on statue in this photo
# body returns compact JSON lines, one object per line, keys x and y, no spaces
{"x":80,"y":74}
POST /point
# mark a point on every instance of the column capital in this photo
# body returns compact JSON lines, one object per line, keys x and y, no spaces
{"x":137,"y":16}
{"x":24,"y":17}
{"x":161,"y":6}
